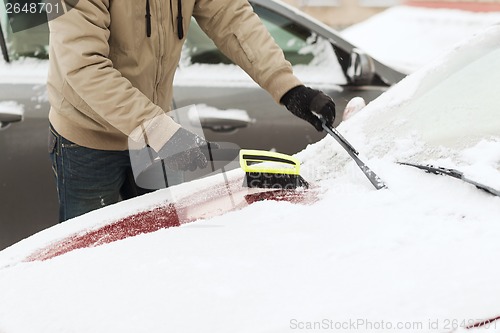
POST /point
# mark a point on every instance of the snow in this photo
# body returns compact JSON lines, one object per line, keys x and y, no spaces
{"x":355,"y":105}
{"x":410,"y":37}
{"x":421,"y":255}
{"x":26,"y":70}
{"x":11,"y":107}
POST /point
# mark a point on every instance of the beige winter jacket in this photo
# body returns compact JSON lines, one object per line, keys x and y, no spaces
{"x":108,"y":78}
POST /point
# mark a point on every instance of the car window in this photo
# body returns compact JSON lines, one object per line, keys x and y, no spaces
{"x":30,"y":42}
{"x":299,"y":44}
{"x":3,"y":29}
{"x":3,"y":45}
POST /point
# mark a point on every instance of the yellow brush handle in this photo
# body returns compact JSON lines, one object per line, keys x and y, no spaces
{"x":248,"y":158}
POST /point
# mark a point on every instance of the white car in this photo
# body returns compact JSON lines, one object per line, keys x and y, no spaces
{"x":418,"y":256}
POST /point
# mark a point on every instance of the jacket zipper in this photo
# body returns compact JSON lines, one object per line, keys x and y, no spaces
{"x":161,"y":46}
{"x":162,"y":36}
{"x":148,"y":19}
{"x":180,"y":27}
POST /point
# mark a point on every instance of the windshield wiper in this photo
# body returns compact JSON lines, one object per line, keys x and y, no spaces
{"x":453,"y":173}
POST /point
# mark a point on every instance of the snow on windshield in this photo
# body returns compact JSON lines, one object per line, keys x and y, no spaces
{"x":450,"y":103}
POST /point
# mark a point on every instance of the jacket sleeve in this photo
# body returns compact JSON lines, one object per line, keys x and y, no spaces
{"x":79,"y":41}
{"x":240,"y":35}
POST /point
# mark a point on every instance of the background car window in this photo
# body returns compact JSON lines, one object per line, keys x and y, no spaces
{"x":30,"y":42}
{"x":3,"y":46}
{"x":298,"y":43}
{"x":3,"y":24}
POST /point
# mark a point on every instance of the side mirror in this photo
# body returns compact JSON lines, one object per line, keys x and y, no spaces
{"x":7,"y":118}
{"x":361,"y":69}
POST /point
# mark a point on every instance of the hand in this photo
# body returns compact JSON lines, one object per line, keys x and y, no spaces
{"x":186,"y":151}
{"x":310,"y":105}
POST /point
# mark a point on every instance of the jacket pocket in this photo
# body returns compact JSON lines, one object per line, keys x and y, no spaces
{"x":71,"y":97}
{"x":247,"y":50}
{"x":52,"y":141}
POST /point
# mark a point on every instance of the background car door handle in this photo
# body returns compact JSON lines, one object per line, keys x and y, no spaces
{"x":223,"y":124}
{"x":219,"y":120}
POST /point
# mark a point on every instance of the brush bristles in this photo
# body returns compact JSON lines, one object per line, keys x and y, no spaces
{"x":274,"y":180}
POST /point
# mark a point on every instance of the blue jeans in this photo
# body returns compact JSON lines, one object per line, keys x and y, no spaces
{"x":88,"y":179}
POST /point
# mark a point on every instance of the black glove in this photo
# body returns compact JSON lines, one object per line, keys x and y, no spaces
{"x":186,"y":151}
{"x":303,"y":101}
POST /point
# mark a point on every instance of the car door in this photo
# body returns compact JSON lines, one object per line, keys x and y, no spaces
{"x":28,"y":197}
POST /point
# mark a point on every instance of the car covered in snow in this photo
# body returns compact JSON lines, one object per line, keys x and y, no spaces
{"x":231,"y":107}
{"x":213,"y":256}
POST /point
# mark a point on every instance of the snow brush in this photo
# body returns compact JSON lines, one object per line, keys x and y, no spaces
{"x":265,"y":169}
{"x":372,"y":177}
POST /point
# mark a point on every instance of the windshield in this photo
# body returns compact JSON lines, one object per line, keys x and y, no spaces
{"x":464,"y":90}
{"x":451,"y":104}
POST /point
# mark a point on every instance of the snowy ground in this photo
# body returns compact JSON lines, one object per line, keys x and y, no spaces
{"x":410,"y":37}
{"x":420,"y":256}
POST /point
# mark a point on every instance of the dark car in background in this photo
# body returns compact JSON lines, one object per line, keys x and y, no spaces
{"x":230,"y":106}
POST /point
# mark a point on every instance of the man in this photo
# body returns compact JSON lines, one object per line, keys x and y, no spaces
{"x":112,"y":64}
